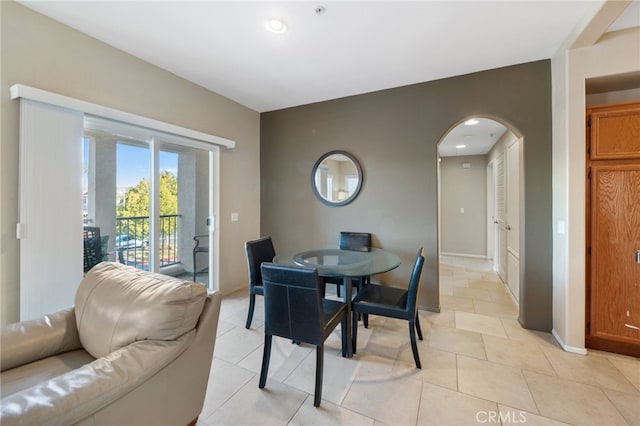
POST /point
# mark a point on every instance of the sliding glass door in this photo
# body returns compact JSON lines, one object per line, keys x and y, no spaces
{"x":92,"y":188}
{"x":151,"y":198}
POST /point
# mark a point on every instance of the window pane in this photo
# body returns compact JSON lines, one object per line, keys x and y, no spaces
{"x":168,"y":247}
{"x":132,"y":204}
{"x":184,"y":209}
{"x":117,"y":195}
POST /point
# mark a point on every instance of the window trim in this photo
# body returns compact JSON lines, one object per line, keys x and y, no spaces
{"x":89,"y":108}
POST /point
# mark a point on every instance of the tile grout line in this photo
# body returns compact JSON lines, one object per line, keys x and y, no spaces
{"x":522,"y":370}
{"x":538,"y":341}
{"x":614,"y":404}
{"x":624,"y":376}
{"x":298,"y":409}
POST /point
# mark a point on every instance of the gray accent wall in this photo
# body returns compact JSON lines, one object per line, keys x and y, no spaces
{"x":394,"y":133}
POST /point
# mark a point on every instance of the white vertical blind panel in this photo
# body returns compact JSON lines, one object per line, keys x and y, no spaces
{"x":51,"y":246}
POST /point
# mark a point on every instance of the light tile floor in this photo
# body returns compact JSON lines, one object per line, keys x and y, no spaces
{"x":479,"y":366}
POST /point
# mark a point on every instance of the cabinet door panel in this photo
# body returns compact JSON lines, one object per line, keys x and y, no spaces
{"x":615,"y":238}
{"x":615,"y":134}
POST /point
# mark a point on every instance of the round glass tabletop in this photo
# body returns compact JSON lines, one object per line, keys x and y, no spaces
{"x":343,"y":263}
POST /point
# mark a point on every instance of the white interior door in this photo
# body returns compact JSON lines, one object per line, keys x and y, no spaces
{"x":500,"y":218}
{"x":491,"y":213}
{"x":513,"y":218}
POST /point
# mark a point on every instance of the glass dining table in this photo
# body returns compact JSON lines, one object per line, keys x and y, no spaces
{"x":345,"y":264}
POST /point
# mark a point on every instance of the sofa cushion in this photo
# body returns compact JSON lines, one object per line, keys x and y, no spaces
{"x":116,"y":305}
{"x":34,"y":373}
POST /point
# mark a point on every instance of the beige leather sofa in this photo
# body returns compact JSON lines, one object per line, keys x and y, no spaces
{"x":136,"y":349}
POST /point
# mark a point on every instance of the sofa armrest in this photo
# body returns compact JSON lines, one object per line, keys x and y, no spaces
{"x":77,"y":394}
{"x":29,"y":341}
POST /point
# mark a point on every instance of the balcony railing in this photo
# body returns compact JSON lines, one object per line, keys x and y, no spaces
{"x":132,"y":240}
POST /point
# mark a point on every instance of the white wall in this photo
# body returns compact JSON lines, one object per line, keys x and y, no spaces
{"x":613,"y":97}
{"x":614,"y":53}
{"x":42,"y":53}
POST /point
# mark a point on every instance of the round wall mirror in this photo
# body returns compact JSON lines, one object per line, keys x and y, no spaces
{"x":336,"y":178}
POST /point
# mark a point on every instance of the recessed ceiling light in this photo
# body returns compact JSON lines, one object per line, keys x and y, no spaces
{"x":276,"y":26}
{"x":460,"y":146}
{"x":471,"y":122}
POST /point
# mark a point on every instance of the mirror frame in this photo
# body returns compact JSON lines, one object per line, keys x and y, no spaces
{"x":355,"y":192}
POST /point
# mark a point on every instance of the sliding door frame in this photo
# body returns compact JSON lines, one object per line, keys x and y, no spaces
{"x":65,"y":238}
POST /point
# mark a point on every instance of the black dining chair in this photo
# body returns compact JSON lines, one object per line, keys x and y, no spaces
{"x":201,"y":246}
{"x":258,"y":251}
{"x":295,"y":309}
{"x":356,"y":241}
{"x":92,"y":245}
{"x":392,"y":302}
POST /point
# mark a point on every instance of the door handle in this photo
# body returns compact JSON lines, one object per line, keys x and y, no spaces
{"x":495,"y":221}
{"x":508,"y":228}
{"x":638,"y":257}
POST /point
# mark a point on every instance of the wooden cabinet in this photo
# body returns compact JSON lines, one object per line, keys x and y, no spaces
{"x":615,"y":131}
{"x":613,"y":228}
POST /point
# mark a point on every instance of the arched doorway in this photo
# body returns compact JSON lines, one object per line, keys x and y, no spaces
{"x":480,"y":195}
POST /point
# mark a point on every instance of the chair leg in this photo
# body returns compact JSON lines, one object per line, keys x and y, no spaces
{"x":266,"y":355}
{"x":338,"y":289}
{"x":252,"y":305}
{"x":343,"y":330}
{"x":418,"y":327}
{"x":195,"y":271}
{"x":354,"y":331}
{"x":365,"y":320}
{"x":414,"y":345}
{"x":319,"y":367}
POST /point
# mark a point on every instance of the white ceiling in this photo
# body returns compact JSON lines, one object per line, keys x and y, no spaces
{"x":478,"y":139}
{"x":352,"y":48}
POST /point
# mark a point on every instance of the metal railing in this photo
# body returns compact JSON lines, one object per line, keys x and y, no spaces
{"x":132,"y":240}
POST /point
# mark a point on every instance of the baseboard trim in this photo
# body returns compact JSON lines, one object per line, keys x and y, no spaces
{"x":474,"y":256}
{"x":567,"y":348}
